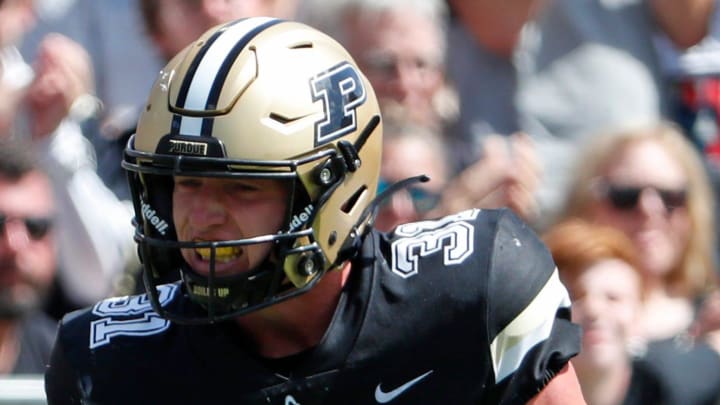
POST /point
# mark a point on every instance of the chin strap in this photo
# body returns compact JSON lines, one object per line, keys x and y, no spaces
{"x":367,"y":218}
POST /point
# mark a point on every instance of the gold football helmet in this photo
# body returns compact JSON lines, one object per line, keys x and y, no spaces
{"x":261,"y":98}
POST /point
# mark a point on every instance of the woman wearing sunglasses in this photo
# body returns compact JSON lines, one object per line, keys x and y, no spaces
{"x":650,"y":183}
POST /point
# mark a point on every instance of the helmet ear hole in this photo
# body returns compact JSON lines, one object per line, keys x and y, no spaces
{"x":350,"y":203}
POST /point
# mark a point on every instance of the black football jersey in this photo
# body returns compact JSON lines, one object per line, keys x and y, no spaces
{"x":466,"y":309}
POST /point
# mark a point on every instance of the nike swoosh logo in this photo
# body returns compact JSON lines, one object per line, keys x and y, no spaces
{"x":385,"y":397}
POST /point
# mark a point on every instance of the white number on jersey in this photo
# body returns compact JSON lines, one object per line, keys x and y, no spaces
{"x":452,"y":234}
{"x":138,"y":317}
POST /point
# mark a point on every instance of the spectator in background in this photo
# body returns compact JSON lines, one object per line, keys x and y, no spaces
{"x":597,"y":57}
{"x":481,"y":64}
{"x":122,"y":59}
{"x":590,"y":65}
{"x":410,"y":150}
{"x":93,"y":228}
{"x":693,"y":76}
{"x":504,"y":177}
{"x":27,"y":261}
{"x":560,"y":69}
{"x":599,"y":267}
{"x":649,"y":182}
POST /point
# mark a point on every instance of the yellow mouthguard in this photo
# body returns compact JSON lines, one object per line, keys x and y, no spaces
{"x":221,"y":253}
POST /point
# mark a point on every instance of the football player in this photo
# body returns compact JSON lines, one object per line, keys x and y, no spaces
{"x":254,"y":172}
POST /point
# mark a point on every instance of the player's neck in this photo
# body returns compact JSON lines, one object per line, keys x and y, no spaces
{"x":299,"y":323}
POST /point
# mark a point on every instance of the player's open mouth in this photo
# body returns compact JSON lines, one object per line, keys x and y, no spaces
{"x":222,"y":254}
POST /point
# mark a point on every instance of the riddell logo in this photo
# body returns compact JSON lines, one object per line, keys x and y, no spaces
{"x":300,"y":219}
{"x":151,"y":216}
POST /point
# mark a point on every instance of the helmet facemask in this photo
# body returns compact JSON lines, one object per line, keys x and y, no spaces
{"x":293,"y":265}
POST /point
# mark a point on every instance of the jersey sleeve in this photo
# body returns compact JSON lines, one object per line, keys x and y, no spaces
{"x":529,"y":329}
{"x":97,"y":348}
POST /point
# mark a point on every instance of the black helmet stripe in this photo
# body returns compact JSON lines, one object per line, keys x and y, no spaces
{"x":182,"y":95}
{"x":222,"y":73}
{"x":203,"y":83}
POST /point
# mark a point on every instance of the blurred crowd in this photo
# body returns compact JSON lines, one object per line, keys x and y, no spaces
{"x":596,"y":121}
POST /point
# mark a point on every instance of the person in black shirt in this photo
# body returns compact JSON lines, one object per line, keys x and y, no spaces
{"x":253,"y":173}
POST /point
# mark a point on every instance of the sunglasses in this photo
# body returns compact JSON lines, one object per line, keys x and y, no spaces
{"x":423,"y":200}
{"x":626,"y":197}
{"x":37,"y":227}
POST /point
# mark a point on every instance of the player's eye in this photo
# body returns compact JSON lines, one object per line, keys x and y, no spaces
{"x":243,"y":187}
{"x":187,"y":183}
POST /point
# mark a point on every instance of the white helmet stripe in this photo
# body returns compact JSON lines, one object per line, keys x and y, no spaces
{"x":191,"y":125}
{"x":208,"y":69}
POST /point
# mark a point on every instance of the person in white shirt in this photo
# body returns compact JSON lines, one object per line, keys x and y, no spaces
{"x":48,"y":103}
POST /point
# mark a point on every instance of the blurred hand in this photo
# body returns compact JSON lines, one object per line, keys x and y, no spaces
{"x":507,"y":175}
{"x":63,"y":72}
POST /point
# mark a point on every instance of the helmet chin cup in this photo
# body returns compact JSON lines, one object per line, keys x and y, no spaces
{"x":286,"y":102}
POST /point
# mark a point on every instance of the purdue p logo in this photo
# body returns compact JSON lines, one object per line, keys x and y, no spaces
{"x":341,"y":91}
